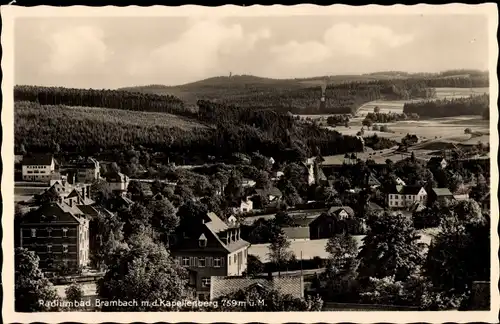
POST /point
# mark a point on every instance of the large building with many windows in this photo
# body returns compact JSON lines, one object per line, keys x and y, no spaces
{"x":38,"y":167}
{"x":211,"y":248}
{"x":405,"y":196}
{"x":59,"y":234}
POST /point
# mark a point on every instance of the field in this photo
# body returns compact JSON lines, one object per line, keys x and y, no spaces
{"x":106,"y":115}
{"x":314,"y":248}
{"x":447,"y":129}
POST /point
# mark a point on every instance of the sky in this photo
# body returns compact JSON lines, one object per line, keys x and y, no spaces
{"x":117,"y":52}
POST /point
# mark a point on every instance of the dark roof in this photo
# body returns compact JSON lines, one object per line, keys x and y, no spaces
{"x":273,"y":191}
{"x":442,"y":191}
{"x":337,"y":209}
{"x":372,"y":181}
{"x":417,"y":207}
{"x":435,"y":160}
{"x":405,"y":190}
{"x":88,"y":210}
{"x":303,"y":220}
{"x":374,"y":206}
{"x":38,"y":159}
{"x":296,"y":232}
{"x":52,"y":212}
{"x":223,"y":286}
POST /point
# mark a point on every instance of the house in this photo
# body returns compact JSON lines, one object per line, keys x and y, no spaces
{"x":462,"y":193}
{"x":38,"y":167}
{"x":59,"y":234}
{"x":277,"y":175}
{"x":374,"y":208}
{"x":405,"y":196}
{"x":372,"y":181}
{"x":62,"y":191}
{"x":117,"y":181}
{"x":299,"y":233}
{"x":210,"y":247}
{"x":247,"y":183}
{"x":224,"y":286}
{"x":272,"y":194}
{"x":244,"y":206}
{"x":437,"y":162}
{"x":417,"y":207}
{"x":119,"y":202}
{"x":400,"y":182}
{"x":440,"y":195}
{"x":335,"y":221}
{"x":86,"y":170}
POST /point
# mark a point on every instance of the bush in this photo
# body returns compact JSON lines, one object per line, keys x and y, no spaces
{"x":74,"y":292}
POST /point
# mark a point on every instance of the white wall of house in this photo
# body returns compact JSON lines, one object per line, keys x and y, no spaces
{"x":38,"y":172}
{"x":237,"y":262}
{"x":396,"y":200}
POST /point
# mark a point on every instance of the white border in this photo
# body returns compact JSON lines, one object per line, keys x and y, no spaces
{"x":10,"y":13}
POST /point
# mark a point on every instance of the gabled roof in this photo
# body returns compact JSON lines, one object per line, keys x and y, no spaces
{"x":372,"y":181}
{"x":223,"y":286}
{"x":417,"y":207}
{"x":38,"y":159}
{"x":374,"y":206}
{"x":53,"y":212}
{"x":405,"y":190}
{"x":442,"y":191}
{"x":336,"y":209}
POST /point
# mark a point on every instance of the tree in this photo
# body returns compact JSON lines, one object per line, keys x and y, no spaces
{"x":254,"y":266}
{"x":367,"y":122}
{"x":163,"y":217}
{"x":467,"y":131}
{"x":192,"y":212}
{"x":74,"y":292}
{"x":135,"y":219}
{"x":145,"y":272}
{"x":262,"y":180}
{"x":100,"y":191}
{"x":340,"y":274}
{"x":390,"y":248}
{"x":279,"y":252}
{"x":460,"y":253}
{"x":31,"y":286}
{"x":274,"y":301}
{"x":376,"y":109}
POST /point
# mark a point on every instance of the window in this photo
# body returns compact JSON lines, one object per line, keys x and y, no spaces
{"x":229,"y":260}
{"x":65,"y":232}
{"x":396,"y":196}
{"x":201,"y":262}
{"x":33,"y":232}
{"x":202,"y":241}
{"x":396,"y":203}
{"x":49,"y":248}
{"x":205,"y":282}
{"x":217,"y":262}
{"x":49,"y":232}
{"x":390,"y":196}
{"x":234,"y":258}
{"x":65,"y":248}
{"x":185,"y":262}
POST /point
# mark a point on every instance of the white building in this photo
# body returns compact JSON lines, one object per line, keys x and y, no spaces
{"x":117,"y":181}
{"x":245,"y":206}
{"x":38,"y":168}
{"x":405,"y":196}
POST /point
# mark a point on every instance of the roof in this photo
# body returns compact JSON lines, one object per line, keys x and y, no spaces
{"x":114,"y":176}
{"x":296,"y":232}
{"x":54,"y":212}
{"x":88,"y":210}
{"x":236,"y":245}
{"x":405,"y":190}
{"x":372,"y":181}
{"x":224,"y":286}
{"x":442,"y":191}
{"x":435,"y":160}
{"x":273,"y":191}
{"x":38,"y":159}
{"x":374,"y":206}
{"x":215,"y":225}
{"x":337,"y":209}
{"x":417,"y":207}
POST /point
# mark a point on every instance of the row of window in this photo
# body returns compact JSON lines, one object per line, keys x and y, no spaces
{"x":403,"y":197}
{"x":65,"y":248}
{"x":36,"y":167}
{"x":49,"y":232}
{"x":202,"y":262}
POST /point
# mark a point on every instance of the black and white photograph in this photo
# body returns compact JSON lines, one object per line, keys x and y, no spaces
{"x":283,"y":162}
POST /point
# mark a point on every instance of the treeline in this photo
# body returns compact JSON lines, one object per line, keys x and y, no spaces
{"x":473,"y":105}
{"x":100,"y":98}
{"x":41,"y":129}
{"x":390,"y":117}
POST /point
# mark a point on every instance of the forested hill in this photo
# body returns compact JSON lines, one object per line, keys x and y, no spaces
{"x":302,"y":96}
{"x":117,"y":99}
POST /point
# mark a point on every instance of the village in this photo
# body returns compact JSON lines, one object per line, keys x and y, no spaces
{"x":63,"y":207}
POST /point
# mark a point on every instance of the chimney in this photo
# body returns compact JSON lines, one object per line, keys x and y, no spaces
{"x":269,"y":275}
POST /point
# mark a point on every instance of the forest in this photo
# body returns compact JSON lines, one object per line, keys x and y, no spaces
{"x":99,"y":98}
{"x":473,"y":105}
{"x":59,"y":128}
